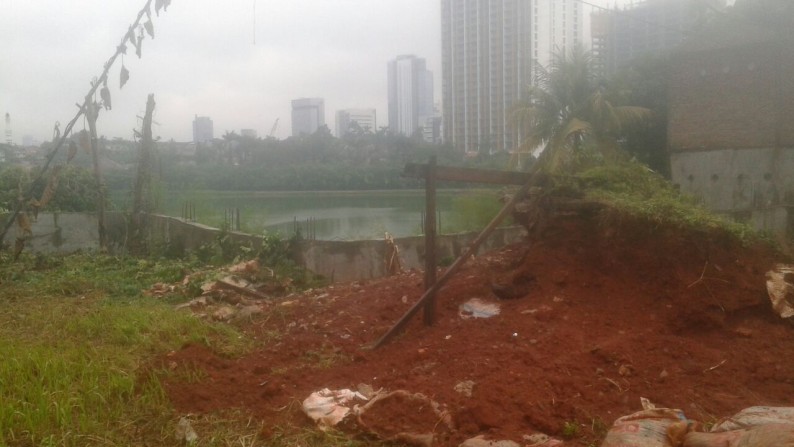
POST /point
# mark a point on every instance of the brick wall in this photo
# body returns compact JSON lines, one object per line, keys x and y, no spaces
{"x":732,"y":98}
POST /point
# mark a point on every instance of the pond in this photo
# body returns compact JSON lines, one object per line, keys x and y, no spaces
{"x":326,"y":215}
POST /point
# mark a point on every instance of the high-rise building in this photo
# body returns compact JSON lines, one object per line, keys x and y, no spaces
{"x":365,"y":118}
{"x":648,"y":28}
{"x":248,"y":133}
{"x":202,"y":129}
{"x":308,"y":115}
{"x":489,"y":51}
{"x":557,"y":27}
{"x":410,"y":94}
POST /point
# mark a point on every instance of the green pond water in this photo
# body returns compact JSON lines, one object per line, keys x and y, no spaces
{"x":320,"y":215}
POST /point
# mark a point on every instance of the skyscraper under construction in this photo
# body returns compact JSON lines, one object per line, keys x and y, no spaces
{"x":489,"y":51}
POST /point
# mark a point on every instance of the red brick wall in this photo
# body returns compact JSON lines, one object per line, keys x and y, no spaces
{"x":732,"y":98}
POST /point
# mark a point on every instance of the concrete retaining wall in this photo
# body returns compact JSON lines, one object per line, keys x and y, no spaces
{"x":336,"y":260}
{"x":753,"y":185}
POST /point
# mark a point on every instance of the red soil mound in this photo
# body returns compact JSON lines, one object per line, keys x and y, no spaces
{"x":600,"y":318}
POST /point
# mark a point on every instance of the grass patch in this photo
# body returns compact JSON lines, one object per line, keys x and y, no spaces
{"x":76,"y":343}
{"x":74,"y":336}
{"x":472,"y":211}
{"x":634,"y":189}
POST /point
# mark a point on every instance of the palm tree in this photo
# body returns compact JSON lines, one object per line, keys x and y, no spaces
{"x":567,"y":109}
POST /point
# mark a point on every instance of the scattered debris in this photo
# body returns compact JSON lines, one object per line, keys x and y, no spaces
{"x":248,"y":267}
{"x":185,"y":432}
{"x":480,"y":441}
{"x":198,"y":302}
{"x":160,"y":290}
{"x":715,"y":366}
{"x":477,"y":308}
{"x":466,"y":387}
{"x":247,"y":312}
{"x":329,"y":407}
{"x":541,"y":440}
{"x":223,"y":314}
{"x":780,"y":286}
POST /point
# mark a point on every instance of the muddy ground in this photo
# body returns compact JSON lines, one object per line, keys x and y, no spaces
{"x":593,"y":317}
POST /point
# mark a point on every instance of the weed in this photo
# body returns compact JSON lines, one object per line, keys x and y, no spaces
{"x":570,"y":429}
{"x":599,"y":428}
{"x":325,"y":357}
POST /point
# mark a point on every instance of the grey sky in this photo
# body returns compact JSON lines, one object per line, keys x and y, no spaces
{"x":203,"y":60}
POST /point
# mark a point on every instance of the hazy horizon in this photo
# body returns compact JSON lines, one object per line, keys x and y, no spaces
{"x":238,"y":65}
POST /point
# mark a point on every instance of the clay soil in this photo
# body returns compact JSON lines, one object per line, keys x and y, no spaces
{"x":598,"y":317}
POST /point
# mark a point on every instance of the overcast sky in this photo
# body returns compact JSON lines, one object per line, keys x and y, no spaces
{"x":203,"y":60}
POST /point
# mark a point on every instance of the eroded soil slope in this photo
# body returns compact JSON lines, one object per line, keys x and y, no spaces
{"x":597,"y":317}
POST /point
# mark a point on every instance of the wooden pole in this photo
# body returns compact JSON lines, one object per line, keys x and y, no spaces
{"x":139,"y":202}
{"x":430,"y":240}
{"x":92,"y":114}
{"x":453,"y":269}
{"x":142,"y":189}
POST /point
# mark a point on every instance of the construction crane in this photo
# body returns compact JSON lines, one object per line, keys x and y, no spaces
{"x":273,"y":129}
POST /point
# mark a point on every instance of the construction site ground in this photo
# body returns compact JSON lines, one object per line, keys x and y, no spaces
{"x":592,"y":318}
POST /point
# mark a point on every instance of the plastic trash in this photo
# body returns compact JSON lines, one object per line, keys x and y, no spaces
{"x":477,"y":308}
{"x":329,"y":407}
{"x":780,"y":287}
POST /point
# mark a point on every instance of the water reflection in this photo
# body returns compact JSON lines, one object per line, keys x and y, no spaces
{"x":326,"y":216}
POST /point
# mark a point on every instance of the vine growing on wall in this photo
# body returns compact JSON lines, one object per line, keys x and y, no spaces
{"x":27,"y":206}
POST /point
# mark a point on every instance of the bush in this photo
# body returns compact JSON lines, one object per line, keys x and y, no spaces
{"x":76,"y":190}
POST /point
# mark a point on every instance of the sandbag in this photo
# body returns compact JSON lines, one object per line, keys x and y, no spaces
{"x":755,"y":416}
{"x":723,"y":439}
{"x":771,"y":435}
{"x":777,"y":435}
{"x":647,"y":428}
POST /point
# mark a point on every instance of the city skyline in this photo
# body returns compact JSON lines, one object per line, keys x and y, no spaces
{"x":203,"y":61}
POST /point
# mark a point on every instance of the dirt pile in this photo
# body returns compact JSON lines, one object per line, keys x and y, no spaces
{"x":597,"y":317}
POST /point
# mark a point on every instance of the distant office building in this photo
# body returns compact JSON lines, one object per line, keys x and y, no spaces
{"x":308,"y":115}
{"x":202,"y":129}
{"x":489,"y":51}
{"x":30,"y":140}
{"x":248,"y":133}
{"x":648,"y":28}
{"x":410,"y":94}
{"x":431,"y":129}
{"x":365,"y":118}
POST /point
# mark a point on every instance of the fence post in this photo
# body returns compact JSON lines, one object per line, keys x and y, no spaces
{"x":430,"y":239}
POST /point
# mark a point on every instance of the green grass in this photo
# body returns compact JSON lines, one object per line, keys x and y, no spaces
{"x":77,"y":344}
{"x":472,"y":211}
{"x":635,"y":190}
{"x":75,"y":339}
